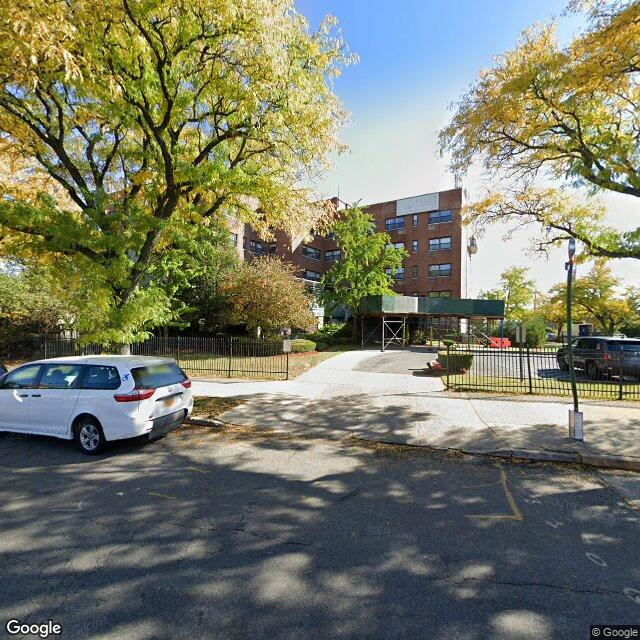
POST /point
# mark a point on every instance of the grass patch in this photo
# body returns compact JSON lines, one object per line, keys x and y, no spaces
{"x":256,"y":367}
{"x":540,"y":387}
{"x":212,"y":407}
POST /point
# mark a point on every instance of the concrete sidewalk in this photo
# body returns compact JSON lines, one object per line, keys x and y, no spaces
{"x":340,"y":398}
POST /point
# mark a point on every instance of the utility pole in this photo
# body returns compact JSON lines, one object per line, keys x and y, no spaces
{"x":576,"y":430}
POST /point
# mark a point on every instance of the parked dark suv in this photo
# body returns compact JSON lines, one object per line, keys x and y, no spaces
{"x":600,"y":357}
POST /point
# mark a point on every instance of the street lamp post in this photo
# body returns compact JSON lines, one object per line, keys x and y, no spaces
{"x":575,"y":415}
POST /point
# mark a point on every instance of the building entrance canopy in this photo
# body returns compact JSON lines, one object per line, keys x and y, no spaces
{"x":442,"y":307}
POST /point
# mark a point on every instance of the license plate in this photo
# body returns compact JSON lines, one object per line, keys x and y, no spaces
{"x":169,"y":402}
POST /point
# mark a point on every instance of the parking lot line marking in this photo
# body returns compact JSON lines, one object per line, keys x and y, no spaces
{"x":162,"y":495}
{"x":516,"y":514}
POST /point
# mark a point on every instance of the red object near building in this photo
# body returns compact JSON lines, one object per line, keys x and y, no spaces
{"x":500,"y":343}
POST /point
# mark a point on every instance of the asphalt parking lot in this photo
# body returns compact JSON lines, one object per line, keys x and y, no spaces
{"x":237,"y":535}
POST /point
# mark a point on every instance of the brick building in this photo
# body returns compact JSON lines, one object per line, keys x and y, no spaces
{"x":428,"y":226}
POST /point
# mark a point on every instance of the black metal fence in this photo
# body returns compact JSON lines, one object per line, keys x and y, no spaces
{"x":543,"y":371}
{"x":198,"y":356}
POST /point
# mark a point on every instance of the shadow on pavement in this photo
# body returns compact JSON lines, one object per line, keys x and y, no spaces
{"x":236,"y":536}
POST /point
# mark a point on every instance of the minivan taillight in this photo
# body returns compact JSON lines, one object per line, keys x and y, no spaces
{"x":135,"y":395}
{"x":186,"y":383}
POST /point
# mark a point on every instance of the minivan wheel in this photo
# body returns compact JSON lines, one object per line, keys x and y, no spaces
{"x":89,"y":436}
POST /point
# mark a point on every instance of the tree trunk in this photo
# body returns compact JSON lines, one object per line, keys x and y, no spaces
{"x":122,"y":349}
{"x":354,"y":328}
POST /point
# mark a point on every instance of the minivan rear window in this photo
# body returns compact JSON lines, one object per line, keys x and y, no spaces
{"x":158,"y":375}
{"x":626,"y":345}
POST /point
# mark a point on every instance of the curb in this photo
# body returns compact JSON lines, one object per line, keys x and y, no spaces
{"x":593,"y":460}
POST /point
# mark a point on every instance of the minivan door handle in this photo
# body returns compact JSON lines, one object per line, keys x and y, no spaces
{"x":36,"y":395}
{"x":23,"y":395}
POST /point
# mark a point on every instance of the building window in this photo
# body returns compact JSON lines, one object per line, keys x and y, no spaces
{"x":314,"y":276}
{"x":272,"y":248}
{"x":257,"y":248}
{"x":332,"y":255}
{"x":234,"y":239}
{"x":445,"y":294}
{"x":415,"y":220}
{"x":414,"y":272}
{"x":440,"y":216}
{"x":414,"y":246}
{"x":439,"y":294}
{"x":440,"y":243}
{"x":439,"y":270}
{"x":395,"y":245}
{"x":415,"y":294}
{"x":398,"y":275}
{"x":394,"y":224}
{"x":311,"y":252}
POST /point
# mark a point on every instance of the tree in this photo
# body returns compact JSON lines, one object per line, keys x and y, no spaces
{"x":133,"y":124}
{"x":598,"y":294}
{"x":631,"y":326}
{"x":366,"y":263}
{"x":32,"y":301}
{"x":570,"y":114}
{"x":517,"y":291}
{"x":554,"y":308}
{"x":202,"y":298}
{"x":266,"y":293}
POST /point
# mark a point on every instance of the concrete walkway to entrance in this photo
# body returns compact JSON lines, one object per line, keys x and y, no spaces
{"x":382,"y":397}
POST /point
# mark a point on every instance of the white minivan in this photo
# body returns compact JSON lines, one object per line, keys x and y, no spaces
{"x":95,"y":399}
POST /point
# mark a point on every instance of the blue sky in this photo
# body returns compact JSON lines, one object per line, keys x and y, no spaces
{"x":416,"y":57}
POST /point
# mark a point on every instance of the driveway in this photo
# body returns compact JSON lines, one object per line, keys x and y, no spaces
{"x":235,"y":536}
{"x":410,"y":361}
{"x":348,"y":395}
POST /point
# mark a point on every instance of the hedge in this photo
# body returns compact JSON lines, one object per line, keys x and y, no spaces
{"x":320,"y":345}
{"x":299,"y":345}
{"x":457,"y":361}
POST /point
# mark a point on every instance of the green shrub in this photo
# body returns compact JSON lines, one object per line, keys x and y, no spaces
{"x":456,"y":361}
{"x":418,"y":337}
{"x":320,"y":345}
{"x":338,"y":329}
{"x":343,"y":340}
{"x":536,"y":331}
{"x":448,"y":342}
{"x":300,"y":345}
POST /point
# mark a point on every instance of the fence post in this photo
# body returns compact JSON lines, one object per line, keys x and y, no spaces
{"x":230,"y":356}
{"x":448,"y":364}
{"x":529,"y":371}
{"x":287,"y":366}
{"x":620,"y":391}
{"x":520,"y":360}
{"x":178,"y":350}
{"x":45,"y":347}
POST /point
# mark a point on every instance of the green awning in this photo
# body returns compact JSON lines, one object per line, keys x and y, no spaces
{"x":447,"y":307}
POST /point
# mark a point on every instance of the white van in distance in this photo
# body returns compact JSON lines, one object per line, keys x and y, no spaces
{"x":95,"y":399}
